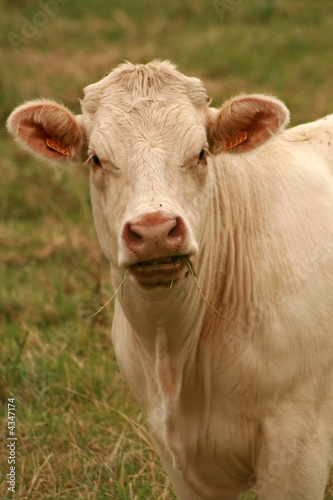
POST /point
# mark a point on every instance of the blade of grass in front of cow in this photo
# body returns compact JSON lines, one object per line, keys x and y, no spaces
{"x":173,"y":277}
{"x":113,"y":296}
{"x":190,"y":266}
{"x":122,"y":283}
{"x":194,"y":275}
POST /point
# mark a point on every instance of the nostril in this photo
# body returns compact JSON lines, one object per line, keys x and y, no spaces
{"x":178,"y":230}
{"x":134,"y":235}
{"x":173,"y":229}
{"x":174,"y":233}
{"x":131,"y":236}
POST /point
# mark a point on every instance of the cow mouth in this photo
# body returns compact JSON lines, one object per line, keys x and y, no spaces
{"x":164,"y":271}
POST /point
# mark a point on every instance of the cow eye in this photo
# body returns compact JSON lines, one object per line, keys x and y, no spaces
{"x":202,"y":160}
{"x":95,"y":160}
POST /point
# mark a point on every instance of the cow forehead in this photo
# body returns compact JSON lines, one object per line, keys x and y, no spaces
{"x":168,"y":128}
{"x":140,"y":106}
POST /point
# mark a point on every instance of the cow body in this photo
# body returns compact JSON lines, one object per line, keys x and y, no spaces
{"x":223,"y":329}
{"x":246,"y":393}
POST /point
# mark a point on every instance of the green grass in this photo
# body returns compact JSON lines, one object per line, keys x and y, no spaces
{"x":80,"y":433}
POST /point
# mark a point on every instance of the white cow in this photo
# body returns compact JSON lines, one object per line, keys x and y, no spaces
{"x":219,"y":229}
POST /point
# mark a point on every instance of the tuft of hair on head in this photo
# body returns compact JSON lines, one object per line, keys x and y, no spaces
{"x":151,"y":81}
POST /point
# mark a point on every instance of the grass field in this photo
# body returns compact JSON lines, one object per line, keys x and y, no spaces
{"x":80,"y":433}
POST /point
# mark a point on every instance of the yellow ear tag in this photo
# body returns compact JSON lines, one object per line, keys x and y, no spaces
{"x":235,"y":140}
{"x":56,"y":145}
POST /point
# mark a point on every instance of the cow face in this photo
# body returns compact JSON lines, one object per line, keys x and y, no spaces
{"x":148,"y":150}
{"x":148,"y":133}
{"x":148,"y":185}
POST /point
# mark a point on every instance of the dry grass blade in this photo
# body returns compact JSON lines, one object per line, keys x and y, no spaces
{"x":37,"y":473}
{"x":194,"y":275}
{"x":189,"y":266}
{"x":111,"y":298}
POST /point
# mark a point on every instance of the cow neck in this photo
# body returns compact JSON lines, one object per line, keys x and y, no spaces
{"x":227,"y":243}
{"x":163,"y":320}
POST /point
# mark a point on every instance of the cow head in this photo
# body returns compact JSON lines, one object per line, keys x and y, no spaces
{"x":148,"y":132}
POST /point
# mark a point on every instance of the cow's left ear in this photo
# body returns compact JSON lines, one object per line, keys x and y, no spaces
{"x":245,"y":122}
{"x":48,"y":130}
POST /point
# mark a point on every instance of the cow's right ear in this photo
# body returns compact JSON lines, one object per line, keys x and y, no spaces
{"x":48,"y":130}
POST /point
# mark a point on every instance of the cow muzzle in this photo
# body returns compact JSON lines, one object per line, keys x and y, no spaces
{"x":153,"y":247}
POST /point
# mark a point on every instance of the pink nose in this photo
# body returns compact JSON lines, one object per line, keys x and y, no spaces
{"x":154,"y":236}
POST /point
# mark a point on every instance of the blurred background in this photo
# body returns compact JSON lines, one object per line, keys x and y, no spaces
{"x":80,"y":433}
